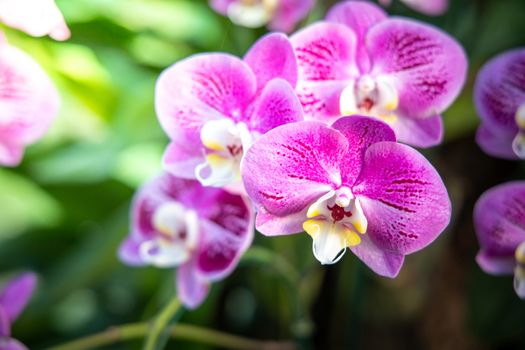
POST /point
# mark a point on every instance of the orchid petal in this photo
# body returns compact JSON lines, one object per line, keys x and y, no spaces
{"x":423,"y":133}
{"x":361,"y":132}
{"x":325,"y":51}
{"x":428,"y":7}
{"x":499,"y":219}
{"x":11,"y":344}
{"x":192,"y":288}
{"x":417,"y":58}
{"x":129,"y":252}
{"x":276,"y":106}
{"x":28,"y":103}
{"x":181,"y":157}
{"x":360,"y":16}
{"x":382,"y":262}
{"x":221,"y":6}
{"x":291,"y":166}
{"x":495,"y":142}
{"x":16,"y":293}
{"x":35,"y":17}
{"x":320,"y":99}
{"x":202,"y":88}
{"x":403,"y":198}
{"x":288,"y":13}
{"x":498,"y":94}
{"x":271,"y":57}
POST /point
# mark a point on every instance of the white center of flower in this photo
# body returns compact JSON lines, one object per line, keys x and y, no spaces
{"x":334,"y":222}
{"x":375,"y":97}
{"x":252,"y":13}
{"x":518,"y":145}
{"x":519,"y":271}
{"x":225,"y":144}
{"x":178,"y":233}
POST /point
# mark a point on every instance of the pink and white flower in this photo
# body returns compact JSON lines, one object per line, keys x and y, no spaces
{"x":28,"y":103}
{"x":35,"y":17}
{"x":499,"y":95}
{"x":278,"y":15}
{"x":213,"y":106}
{"x":359,"y":61}
{"x":499,"y":219}
{"x":347,"y":185}
{"x":202,"y":231}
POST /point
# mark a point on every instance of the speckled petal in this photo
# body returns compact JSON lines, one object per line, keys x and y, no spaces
{"x":360,"y":16}
{"x":320,"y":99}
{"x":499,"y":219}
{"x":325,"y":51}
{"x":200,"y":88}
{"x":382,"y":262}
{"x":271,"y":57}
{"x":403,"y":198}
{"x":427,"y":66}
{"x":498,"y":92}
{"x":361,"y":132}
{"x":422,"y":133}
{"x":129,"y":251}
{"x":192,"y":288}
{"x":288,"y":13}
{"x":16,"y":294}
{"x":277,"y":105}
{"x":292,"y":166}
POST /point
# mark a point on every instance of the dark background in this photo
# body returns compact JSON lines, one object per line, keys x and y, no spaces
{"x":65,"y":209}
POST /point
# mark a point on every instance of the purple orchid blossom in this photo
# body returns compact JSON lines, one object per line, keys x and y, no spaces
{"x":359,"y":61}
{"x":427,"y":7}
{"x":499,"y":219}
{"x":203,"y":231}
{"x":278,"y":15}
{"x":213,"y":106}
{"x":28,"y":103}
{"x":499,"y":95}
{"x":13,"y":299}
{"x":347,"y":185}
{"x":35,"y":17}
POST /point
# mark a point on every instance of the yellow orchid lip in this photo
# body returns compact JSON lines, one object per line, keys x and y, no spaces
{"x":334,"y":222}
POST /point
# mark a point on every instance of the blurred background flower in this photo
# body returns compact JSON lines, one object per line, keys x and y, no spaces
{"x":64,"y":210}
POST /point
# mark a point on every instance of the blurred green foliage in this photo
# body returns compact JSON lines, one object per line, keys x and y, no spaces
{"x":65,"y":209}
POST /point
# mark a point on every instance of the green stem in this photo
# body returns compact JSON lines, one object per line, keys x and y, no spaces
{"x":161,"y":323}
{"x":180,"y":331}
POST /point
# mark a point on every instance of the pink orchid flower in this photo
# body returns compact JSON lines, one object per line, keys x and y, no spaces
{"x":427,"y":7}
{"x":499,"y":95}
{"x":278,"y":15}
{"x":213,"y":106}
{"x":35,"y":17}
{"x":28,"y":103}
{"x":203,"y":231}
{"x":347,"y":185}
{"x":359,"y":61}
{"x":13,"y":299}
{"x":499,"y":219}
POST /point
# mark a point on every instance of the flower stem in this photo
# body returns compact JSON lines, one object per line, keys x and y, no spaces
{"x":154,"y":338}
{"x":180,"y":331}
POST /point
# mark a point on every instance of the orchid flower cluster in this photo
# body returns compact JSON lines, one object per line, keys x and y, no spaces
{"x":305,"y":130}
{"x":499,"y":215}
